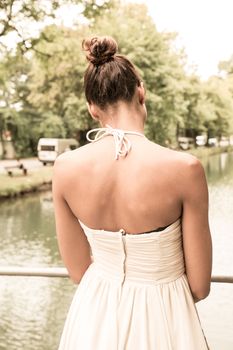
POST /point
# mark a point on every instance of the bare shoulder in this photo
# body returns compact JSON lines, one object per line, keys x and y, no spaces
{"x":70,"y":157}
{"x":66,"y":163}
{"x":183,"y":168}
{"x":191,"y":166}
{"x":189,"y":163}
{"x":191,"y":174}
{"x":184,"y":161}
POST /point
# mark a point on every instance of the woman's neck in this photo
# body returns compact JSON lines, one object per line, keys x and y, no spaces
{"x":124,"y":119}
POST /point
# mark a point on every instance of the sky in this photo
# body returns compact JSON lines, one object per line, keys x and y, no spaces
{"x":204,"y":27}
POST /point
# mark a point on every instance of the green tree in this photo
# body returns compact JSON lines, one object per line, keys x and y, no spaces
{"x":219,"y":94}
{"x":226,"y":66}
{"x":39,"y":88}
{"x":19,"y":16}
{"x":60,"y":91}
{"x":56,"y":83}
{"x":158,"y":63}
{"x":41,"y":93}
{"x":209,"y":107}
{"x":198,"y":108}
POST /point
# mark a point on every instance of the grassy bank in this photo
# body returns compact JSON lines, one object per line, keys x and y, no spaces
{"x":202,"y":152}
{"x":18,"y":184}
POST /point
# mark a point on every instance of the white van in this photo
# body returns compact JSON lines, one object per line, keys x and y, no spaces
{"x":49,"y":149}
{"x":201,"y":140}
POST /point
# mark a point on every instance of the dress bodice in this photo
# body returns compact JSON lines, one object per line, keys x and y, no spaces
{"x":150,"y":258}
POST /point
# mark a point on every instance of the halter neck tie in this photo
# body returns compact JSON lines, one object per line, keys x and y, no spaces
{"x":122,"y":143}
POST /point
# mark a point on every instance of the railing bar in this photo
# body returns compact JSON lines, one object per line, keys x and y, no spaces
{"x":34,"y":271}
{"x":222,"y":279}
{"x":62,"y":272}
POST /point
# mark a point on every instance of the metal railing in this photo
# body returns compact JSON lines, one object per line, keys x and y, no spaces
{"x":34,"y":271}
{"x":62,"y":272}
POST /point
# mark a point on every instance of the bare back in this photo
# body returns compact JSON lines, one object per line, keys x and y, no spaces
{"x":151,"y":187}
{"x":139,"y":192}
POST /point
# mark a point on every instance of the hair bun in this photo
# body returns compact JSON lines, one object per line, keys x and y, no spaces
{"x":99,"y":50}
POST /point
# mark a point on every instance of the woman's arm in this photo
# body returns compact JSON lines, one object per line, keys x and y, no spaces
{"x":196,"y":233}
{"x":73,"y":244}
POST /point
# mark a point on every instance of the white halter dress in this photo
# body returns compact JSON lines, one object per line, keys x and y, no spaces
{"x":135,"y":295}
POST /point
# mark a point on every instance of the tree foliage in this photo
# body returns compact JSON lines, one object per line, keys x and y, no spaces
{"x":41,"y":94}
{"x":158,"y":65}
{"x":41,"y":89}
{"x":19,"y":17}
{"x":60,"y":90}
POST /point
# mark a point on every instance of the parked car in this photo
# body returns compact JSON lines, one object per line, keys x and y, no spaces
{"x":213,"y":142}
{"x":201,"y":140}
{"x":185,"y":142}
{"x":49,"y":148}
{"x":224,"y":141}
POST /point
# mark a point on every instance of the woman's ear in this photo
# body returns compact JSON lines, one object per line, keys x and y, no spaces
{"x":141,"y":93}
{"x":93,"y":111}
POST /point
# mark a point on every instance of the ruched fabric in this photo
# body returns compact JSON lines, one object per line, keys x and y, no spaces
{"x":134,"y":296}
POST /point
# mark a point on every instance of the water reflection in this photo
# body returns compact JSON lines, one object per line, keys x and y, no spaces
{"x":28,"y":232}
{"x":217,"y":310}
{"x":32,"y":312}
{"x":219,"y":171}
{"x":219,"y":168}
{"x":32,"y":309}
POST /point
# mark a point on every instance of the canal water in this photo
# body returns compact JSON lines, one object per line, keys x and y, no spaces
{"x":33,"y":310}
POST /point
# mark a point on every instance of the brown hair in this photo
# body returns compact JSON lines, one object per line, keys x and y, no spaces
{"x":109,"y":77}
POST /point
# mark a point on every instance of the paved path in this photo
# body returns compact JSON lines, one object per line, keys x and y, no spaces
{"x":30,"y":163}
